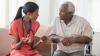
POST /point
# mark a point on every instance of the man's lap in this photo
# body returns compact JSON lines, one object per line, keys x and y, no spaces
{"x":61,"y":53}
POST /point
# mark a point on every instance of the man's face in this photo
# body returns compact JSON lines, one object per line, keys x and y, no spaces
{"x":64,"y":12}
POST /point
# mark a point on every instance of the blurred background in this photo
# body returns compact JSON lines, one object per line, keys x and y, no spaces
{"x":49,"y":9}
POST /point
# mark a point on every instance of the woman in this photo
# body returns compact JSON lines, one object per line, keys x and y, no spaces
{"x":23,"y":30}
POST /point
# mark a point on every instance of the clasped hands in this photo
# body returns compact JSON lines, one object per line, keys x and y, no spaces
{"x":26,"y":39}
{"x":66,"y":41}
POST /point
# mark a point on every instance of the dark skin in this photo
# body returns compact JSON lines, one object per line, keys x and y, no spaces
{"x":67,"y":17}
{"x":29,"y":16}
{"x":65,"y":14}
{"x":67,"y":41}
{"x":18,"y":42}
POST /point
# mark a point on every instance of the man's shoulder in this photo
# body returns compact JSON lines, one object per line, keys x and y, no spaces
{"x":80,"y":18}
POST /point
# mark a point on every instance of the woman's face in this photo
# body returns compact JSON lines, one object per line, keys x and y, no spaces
{"x":34,"y":15}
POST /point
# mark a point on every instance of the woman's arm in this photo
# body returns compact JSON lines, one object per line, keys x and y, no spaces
{"x":18,"y":43}
{"x":30,"y":42}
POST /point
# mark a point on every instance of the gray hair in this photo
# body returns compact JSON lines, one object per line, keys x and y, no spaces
{"x":71,"y":6}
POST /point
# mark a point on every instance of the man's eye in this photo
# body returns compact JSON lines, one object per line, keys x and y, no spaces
{"x":62,"y":13}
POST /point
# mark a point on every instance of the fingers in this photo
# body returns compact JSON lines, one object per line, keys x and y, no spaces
{"x":67,"y":41}
{"x":44,"y":38}
{"x":24,"y":40}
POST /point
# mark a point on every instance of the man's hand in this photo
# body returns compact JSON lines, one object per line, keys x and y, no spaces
{"x":68,"y":41}
{"x":44,"y":38}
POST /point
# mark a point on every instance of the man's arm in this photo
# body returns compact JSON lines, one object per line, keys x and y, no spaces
{"x":79,"y":40}
{"x":82,"y":40}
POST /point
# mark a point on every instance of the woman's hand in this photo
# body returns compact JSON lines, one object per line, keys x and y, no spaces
{"x":25,"y":40}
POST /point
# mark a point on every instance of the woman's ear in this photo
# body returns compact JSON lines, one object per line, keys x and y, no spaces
{"x":29,"y":15}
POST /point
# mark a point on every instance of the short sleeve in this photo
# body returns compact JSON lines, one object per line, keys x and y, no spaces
{"x":35,"y":26}
{"x":87,"y":30}
{"x":13,"y":29}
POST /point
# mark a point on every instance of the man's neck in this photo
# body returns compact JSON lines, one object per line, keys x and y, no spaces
{"x":67,"y":20}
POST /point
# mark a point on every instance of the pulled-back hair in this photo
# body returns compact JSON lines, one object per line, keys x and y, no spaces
{"x":28,"y":7}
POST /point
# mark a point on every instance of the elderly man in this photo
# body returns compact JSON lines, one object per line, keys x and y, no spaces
{"x":72,"y":31}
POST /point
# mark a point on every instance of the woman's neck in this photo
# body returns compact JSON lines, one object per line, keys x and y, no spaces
{"x":26,"y":18}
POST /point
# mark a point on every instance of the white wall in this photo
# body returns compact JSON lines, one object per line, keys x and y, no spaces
{"x":3,"y":14}
{"x":44,"y":11}
{"x":96,"y":15}
{"x":13,"y":7}
{"x":96,"y":44}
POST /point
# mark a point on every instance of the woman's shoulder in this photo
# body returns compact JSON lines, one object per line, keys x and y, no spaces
{"x":36,"y":23}
{"x":16,"y":22}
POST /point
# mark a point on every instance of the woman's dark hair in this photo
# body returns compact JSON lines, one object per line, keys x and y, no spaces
{"x":28,"y":7}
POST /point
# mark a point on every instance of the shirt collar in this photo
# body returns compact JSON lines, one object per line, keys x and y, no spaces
{"x":71,"y":22}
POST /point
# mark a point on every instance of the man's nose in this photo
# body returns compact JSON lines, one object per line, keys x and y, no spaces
{"x":62,"y":13}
